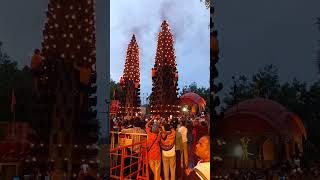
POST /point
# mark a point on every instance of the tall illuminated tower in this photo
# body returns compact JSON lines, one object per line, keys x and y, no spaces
{"x":67,"y":81}
{"x":130,"y":82}
{"x":164,"y":101}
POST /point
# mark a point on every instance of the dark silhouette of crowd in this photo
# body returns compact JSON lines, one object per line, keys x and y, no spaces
{"x":297,"y":168}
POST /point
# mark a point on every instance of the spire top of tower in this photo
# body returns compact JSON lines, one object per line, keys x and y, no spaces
{"x":133,"y":39}
{"x":165,"y":25}
{"x":165,"y":22}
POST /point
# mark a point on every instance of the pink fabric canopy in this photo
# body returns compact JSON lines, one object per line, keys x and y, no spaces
{"x":192,"y":99}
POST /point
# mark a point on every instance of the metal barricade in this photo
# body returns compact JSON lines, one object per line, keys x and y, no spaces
{"x":118,"y":139}
{"x":129,"y":156}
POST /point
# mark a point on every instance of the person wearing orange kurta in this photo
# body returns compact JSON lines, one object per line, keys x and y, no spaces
{"x":84,"y":78}
{"x":35,"y":69}
{"x":154,"y":154}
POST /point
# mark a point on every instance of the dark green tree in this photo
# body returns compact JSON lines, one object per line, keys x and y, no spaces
{"x":239,"y":91}
{"x":294,"y":96}
{"x":206,"y":2}
{"x":115,"y":90}
{"x":265,"y":83}
{"x":12,"y":78}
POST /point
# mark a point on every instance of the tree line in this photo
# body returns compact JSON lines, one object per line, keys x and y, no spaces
{"x":19,"y":81}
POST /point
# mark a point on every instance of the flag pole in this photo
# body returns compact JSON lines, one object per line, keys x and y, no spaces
{"x":14,"y":120}
{"x":13,"y":104}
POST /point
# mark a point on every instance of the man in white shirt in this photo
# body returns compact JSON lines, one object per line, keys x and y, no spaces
{"x":184,"y":151}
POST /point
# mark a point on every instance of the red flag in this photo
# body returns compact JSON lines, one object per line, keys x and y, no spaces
{"x":13,"y":101}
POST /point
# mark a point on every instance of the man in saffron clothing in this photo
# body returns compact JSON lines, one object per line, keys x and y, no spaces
{"x":154,"y":154}
{"x":35,"y":69}
{"x":84,"y":77}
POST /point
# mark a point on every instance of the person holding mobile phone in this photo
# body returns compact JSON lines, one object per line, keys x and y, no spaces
{"x":154,"y":154}
{"x":167,"y":144}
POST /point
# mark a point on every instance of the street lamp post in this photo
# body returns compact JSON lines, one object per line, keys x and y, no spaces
{"x":185,"y":110}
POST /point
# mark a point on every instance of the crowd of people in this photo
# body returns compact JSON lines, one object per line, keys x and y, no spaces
{"x":46,"y":172}
{"x":294,"y":169}
{"x":178,"y":148}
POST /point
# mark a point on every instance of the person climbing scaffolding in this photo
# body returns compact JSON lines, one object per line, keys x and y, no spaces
{"x":35,"y":69}
{"x":84,"y":78}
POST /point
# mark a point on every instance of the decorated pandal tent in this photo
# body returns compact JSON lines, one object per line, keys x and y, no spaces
{"x":196,"y":102}
{"x":260,"y":132}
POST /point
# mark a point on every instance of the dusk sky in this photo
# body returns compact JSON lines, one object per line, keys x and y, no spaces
{"x":251,"y":34}
{"x":255,"y":33}
{"x":189,"y":22}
